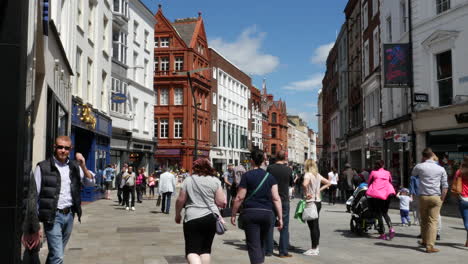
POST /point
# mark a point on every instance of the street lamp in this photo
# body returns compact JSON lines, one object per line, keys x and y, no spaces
{"x":194,"y":103}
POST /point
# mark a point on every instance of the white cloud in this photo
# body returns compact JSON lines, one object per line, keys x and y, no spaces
{"x":309,"y":84}
{"x":245,"y":52}
{"x":321,"y":53}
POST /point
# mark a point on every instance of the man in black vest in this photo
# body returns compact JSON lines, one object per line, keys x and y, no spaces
{"x":58,"y":182}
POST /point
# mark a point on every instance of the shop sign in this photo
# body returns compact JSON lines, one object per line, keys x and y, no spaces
{"x":167,"y":152}
{"x":421,"y":98}
{"x":462,"y":118}
{"x":389,"y":133}
{"x":118,"y":98}
{"x":400,"y":138}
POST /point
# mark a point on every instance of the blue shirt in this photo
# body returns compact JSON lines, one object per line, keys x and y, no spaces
{"x":414,"y":185}
{"x":262,"y":198}
{"x":109,"y":173}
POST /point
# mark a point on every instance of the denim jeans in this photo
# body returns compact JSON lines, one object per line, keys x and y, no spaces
{"x":284,"y":233}
{"x":57,"y":235}
{"x":463,"y":207}
{"x":166,"y":202}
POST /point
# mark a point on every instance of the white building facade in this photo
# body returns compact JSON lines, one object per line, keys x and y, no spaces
{"x":257,"y":126}
{"x":233,"y":117}
{"x":440,"y":38}
{"x":132,"y":93}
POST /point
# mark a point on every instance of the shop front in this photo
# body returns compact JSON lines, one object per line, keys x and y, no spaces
{"x":398,"y":153}
{"x":355,"y":151}
{"x":168,"y":158}
{"x":91,"y":132}
{"x":372,"y":147}
{"x":342,"y":154}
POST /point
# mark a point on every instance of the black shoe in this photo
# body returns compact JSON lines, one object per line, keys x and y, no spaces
{"x":419,"y":236}
{"x":268,"y":254}
{"x":438,"y":237}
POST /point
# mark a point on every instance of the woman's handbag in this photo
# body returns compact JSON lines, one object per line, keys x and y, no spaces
{"x":240,"y":221}
{"x":220,"y":226}
{"x":158,"y":201}
{"x":310,"y":212}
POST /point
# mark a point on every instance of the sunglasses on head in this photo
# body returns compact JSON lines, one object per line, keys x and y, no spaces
{"x":62,"y":147}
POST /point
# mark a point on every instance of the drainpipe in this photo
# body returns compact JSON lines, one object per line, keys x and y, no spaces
{"x":411,"y":82}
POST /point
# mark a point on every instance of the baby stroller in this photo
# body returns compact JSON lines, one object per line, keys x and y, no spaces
{"x":362,"y":218}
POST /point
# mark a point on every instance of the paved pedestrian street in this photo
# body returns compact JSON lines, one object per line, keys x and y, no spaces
{"x":109,"y":234}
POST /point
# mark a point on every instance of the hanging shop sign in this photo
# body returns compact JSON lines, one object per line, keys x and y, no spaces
{"x":400,"y":138}
{"x":118,"y":98}
{"x":397,"y":63}
{"x":421,"y":97}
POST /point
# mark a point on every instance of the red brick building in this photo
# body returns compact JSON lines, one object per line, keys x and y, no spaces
{"x":181,"y":46}
{"x":275,"y":124}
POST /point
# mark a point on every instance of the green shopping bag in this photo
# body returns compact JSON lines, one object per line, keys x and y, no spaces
{"x":299,"y":210}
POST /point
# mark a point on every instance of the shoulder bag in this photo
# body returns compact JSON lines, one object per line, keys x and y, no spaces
{"x":220,"y":226}
{"x":457,"y":185}
{"x":310,"y":210}
{"x":240,"y":222}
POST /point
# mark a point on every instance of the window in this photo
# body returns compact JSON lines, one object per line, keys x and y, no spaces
{"x":104,"y":92}
{"x":444,"y":77}
{"x":104,"y":35}
{"x":145,"y":74}
{"x":375,"y":7}
{"x":178,"y":96}
{"x":273,"y":149}
{"x":119,"y":46}
{"x":156,"y":64}
{"x":78,"y":84}
{"x":79,"y":17}
{"x":89,"y":91}
{"x":389,"y":29}
{"x":214,"y":98}
{"x":156,"y":42}
{"x":214,"y":126}
{"x":178,"y":130}
{"x":164,"y":128}
{"x":121,"y":7}
{"x":403,"y":15}
{"x":442,"y":6}
{"x":135,"y":31}
{"x":135,"y":66}
{"x":163,"y":96}
{"x":91,"y":27}
{"x":156,"y":128}
{"x":119,"y":87}
{"x":179,"y":63}
{"x":164,"y":65}
{"x":145,"y":117}
{"x":135,"y":120}
{"x":273,"y":133}
{"x":365,"y":58}
{"x":164,"y":42}
{"x":376,"y":48}
{"x":273,"y":118}
{"x":146,"y":39}
{"x":365,"y":16}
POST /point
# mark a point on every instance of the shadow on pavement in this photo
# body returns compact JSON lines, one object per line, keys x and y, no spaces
{"x":336,"y":211}
{"x":156,"y":212}
{"x":457,"y":228}
{"x":349,"y":234}
{"x":240,"y":245}
{"x":405,"y":235}
{"x":416,"y":248}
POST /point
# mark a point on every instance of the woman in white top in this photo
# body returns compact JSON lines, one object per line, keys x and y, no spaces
{"x":333,"y":179}
{"x":312,"y":190}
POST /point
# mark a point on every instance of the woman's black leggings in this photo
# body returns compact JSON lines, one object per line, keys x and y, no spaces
{"x":332,"y":194}
{"x":380,"y":208}
{"x":314,"y":227}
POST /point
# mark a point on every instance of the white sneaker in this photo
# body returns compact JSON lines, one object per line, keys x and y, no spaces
{"x":126,"y":208}
{"x":312,"y":252}
{"x":133,"y":208}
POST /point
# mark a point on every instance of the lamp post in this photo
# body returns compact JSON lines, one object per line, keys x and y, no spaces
{"x":195,"y":148}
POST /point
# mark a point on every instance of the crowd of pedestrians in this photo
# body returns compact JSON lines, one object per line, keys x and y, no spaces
{"x":258,"y":200}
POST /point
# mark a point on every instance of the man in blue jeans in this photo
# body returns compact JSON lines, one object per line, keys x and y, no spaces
{"x":283,"y":175}
{"x":58,"y":185}
{"x":167,"y":185}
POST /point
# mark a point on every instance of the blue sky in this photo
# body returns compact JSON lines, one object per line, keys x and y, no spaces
{"x":285,"y":42}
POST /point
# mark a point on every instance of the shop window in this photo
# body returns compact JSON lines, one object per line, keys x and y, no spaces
{"x":57,"y":121}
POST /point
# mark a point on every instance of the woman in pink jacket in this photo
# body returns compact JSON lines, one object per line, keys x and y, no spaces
{"x":379,"y":192}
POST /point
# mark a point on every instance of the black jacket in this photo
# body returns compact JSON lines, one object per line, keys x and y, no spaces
{"x":50,"y":189}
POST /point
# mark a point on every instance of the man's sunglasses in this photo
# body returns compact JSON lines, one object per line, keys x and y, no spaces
{"x":62,"y":147}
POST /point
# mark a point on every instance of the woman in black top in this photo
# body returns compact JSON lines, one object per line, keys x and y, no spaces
{"x":258,"y":209}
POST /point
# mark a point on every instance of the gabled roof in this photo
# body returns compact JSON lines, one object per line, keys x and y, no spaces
{"x":185,"y":31}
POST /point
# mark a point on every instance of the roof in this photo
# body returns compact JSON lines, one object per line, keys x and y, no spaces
{"x":185,"y":31}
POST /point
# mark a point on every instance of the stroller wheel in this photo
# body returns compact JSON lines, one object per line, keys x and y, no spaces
{"x":352,"y":225}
